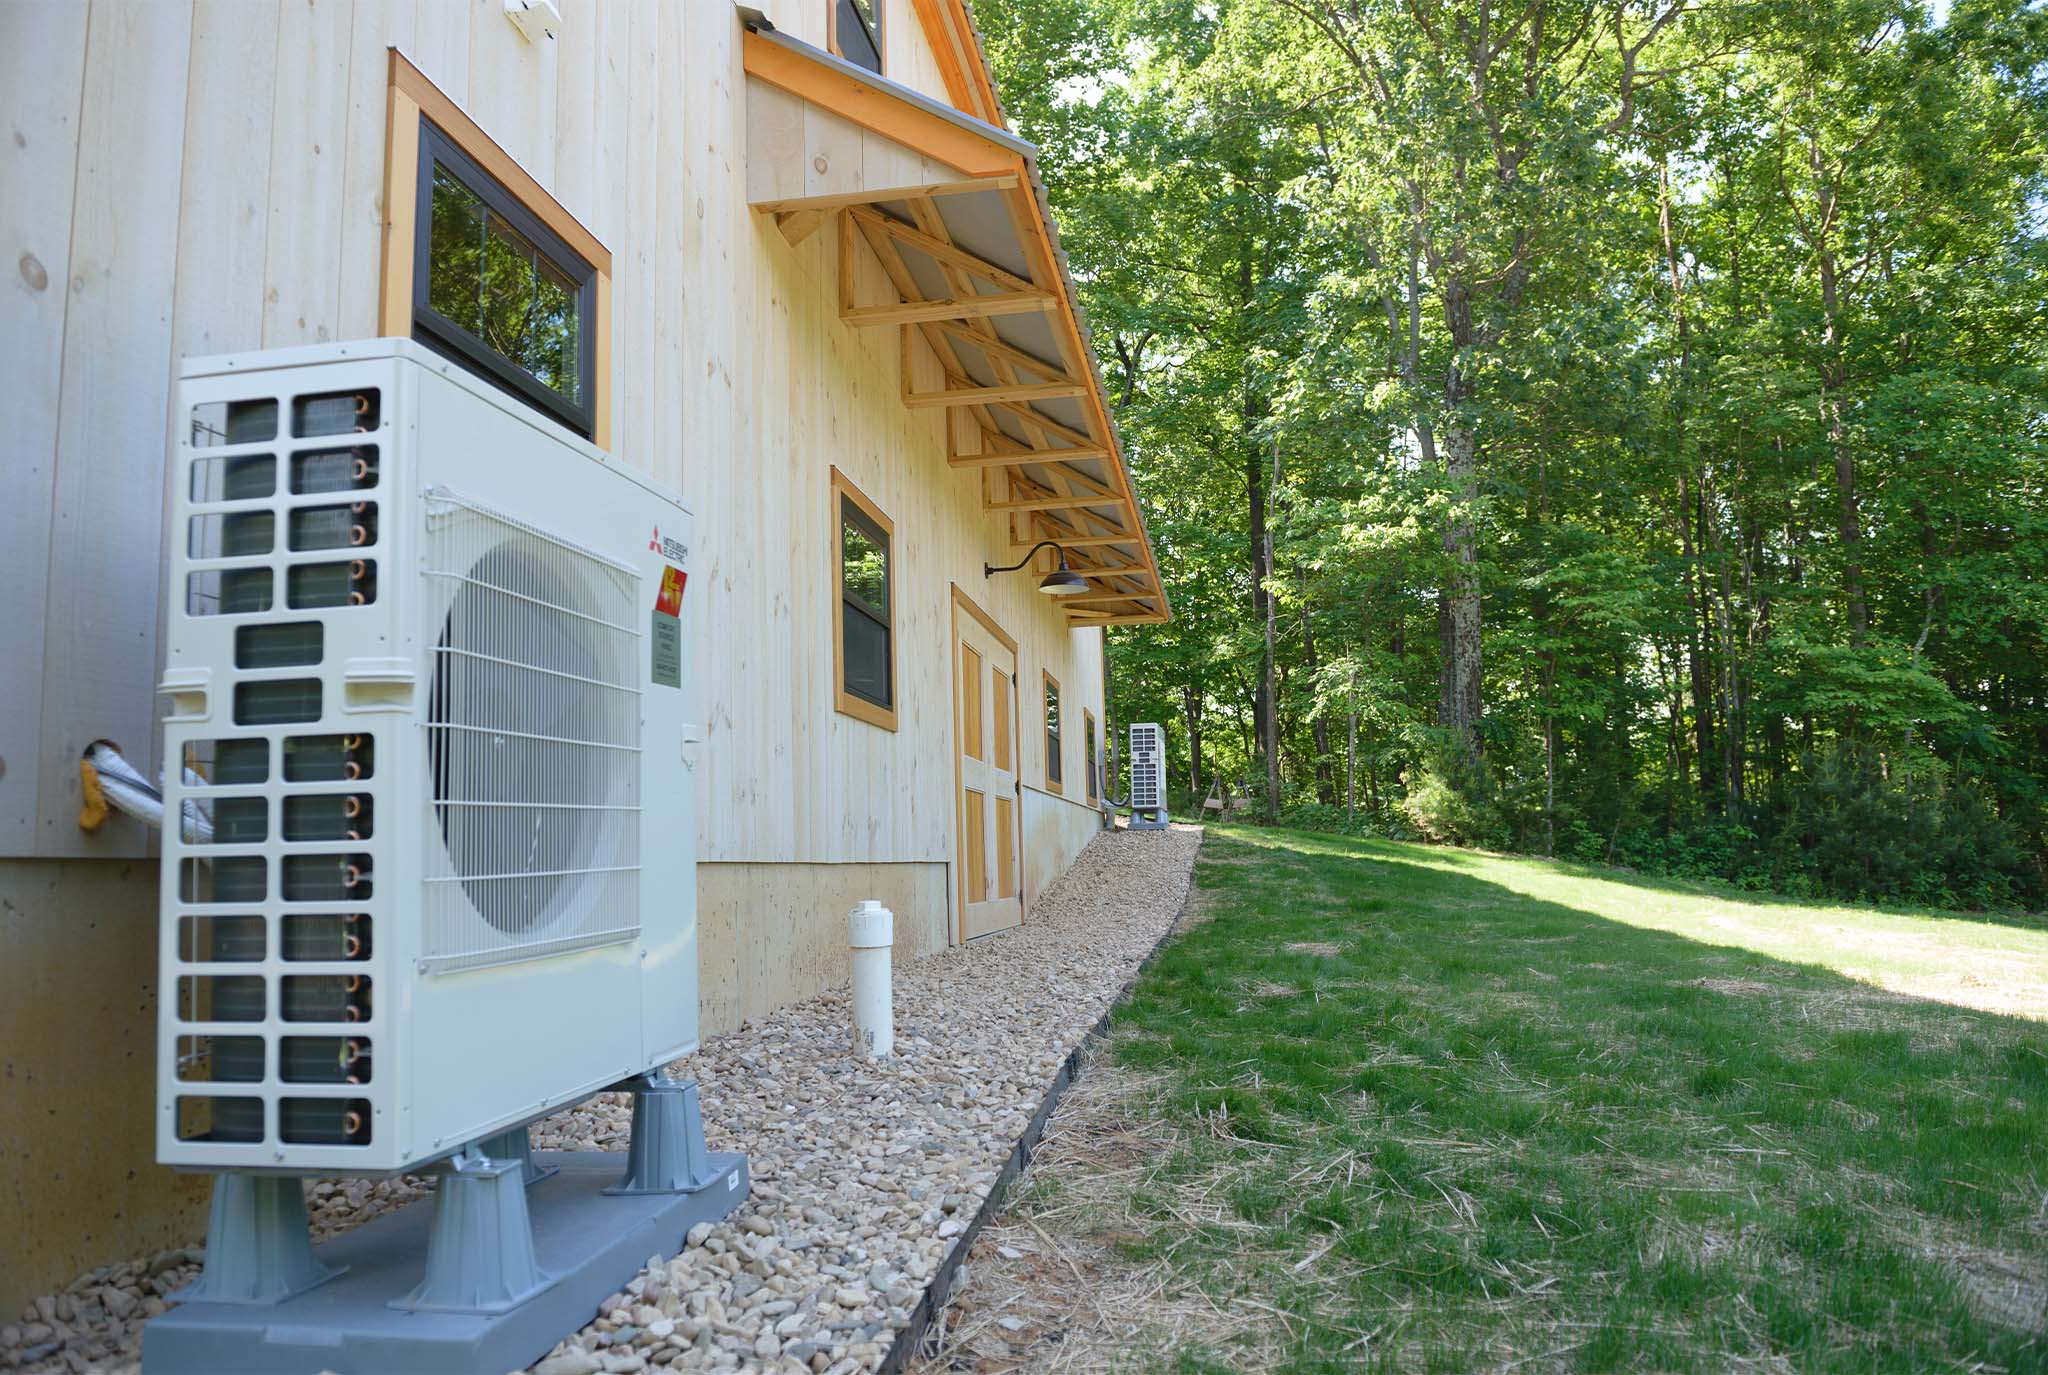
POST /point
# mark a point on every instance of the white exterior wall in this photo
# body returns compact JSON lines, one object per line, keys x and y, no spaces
{"x":178,"y":196}
{"x":205,"y":176}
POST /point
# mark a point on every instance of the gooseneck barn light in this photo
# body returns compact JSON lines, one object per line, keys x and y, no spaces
{"x":1061,"y":582}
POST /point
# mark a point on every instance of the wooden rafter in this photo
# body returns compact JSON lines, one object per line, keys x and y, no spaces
{"x":1003,"y":360}
{"x":942,"y":250}
{"x":798,"y":225}
{"x":1108,"y":599}
{"x":1009,"y":353}
{"x":1067,"y":531}
{"x":906,"y":287}
{"x":944,"y":336}
{"x":1077,"y":485}
{"x":1014,"y":458}
{"x":1046,"y":425}
{"x":1067,"y":515}
{"x":902,"y":142}
{"x":949,"y":308}
{"x":973,"y":395}
{"x":839,"y":200}
{"x":1057,"y":502}
{"x":1097,"y":541}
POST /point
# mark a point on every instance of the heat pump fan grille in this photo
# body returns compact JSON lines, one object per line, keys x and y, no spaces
{"x":534,"y":736}
{"x":1148,"y":758}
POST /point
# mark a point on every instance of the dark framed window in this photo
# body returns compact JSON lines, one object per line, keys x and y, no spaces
{"x":857,"y":32}
{"x":864,"y":637}
{"x":497,"y":291}
{"x":1093,"y":761}
{"x":1053,"y":770}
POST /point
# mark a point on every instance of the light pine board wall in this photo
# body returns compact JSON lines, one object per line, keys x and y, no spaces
{"x":206,"y":177}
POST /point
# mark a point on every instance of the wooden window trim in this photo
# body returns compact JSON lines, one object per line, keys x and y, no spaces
{"x":1053,"y":784}
{"x":881,"y":34}
{"x":843,"y":701}
{"x":411,"y":97}
{"x":1091,"y":753}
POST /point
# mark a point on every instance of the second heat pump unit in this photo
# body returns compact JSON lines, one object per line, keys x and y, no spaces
{"x":434,"y":874}
{"x":1148,"y":776}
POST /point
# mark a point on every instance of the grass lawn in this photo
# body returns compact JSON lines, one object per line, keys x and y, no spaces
{"x":1447,"y":1111}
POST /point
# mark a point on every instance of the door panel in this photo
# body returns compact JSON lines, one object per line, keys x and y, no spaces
{"x":990,"y":845}
{"x":1006,"y":848}
{"x":999,"y":699}
{"x":976,"y":848}
{"x":970,"y":702}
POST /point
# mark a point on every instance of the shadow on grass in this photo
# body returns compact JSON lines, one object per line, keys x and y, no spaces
{"x":1572,"y":1142}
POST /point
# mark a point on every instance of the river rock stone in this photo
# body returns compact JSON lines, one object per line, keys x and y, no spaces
{"x":864,"y":1171}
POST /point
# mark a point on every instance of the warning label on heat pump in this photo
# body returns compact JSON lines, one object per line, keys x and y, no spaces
{"x":669,"y":601}
{"x":667,"y":639}
{"x":666,"y":634}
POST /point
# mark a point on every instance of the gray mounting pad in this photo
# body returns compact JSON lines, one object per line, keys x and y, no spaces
{"x":591,"y":1241}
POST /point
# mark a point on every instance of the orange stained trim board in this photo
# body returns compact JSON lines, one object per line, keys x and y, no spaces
{"x":920,"y":130}
{"x":409,"y":97}
{"x":951,"y":35}
{"x":947,"y":142}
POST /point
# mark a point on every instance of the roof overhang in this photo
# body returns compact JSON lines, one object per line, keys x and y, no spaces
{"x":953,"y":209}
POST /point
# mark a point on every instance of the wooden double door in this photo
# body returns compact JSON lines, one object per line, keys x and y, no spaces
{"x":989,"y":804}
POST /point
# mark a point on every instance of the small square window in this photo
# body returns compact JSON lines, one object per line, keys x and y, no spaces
{"x":865,"y":632}
{"x":499,"y":292}
{"x":1092,"y":755}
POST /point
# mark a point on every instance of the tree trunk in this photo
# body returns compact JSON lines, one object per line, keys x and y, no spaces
{"x":1269,"y":742}
{"x":1318,"y":724}
{"x":1351,"y":768}
{"x":1458,"y":607}
{"x":1191,"y":709}
{"x":1700,"y":671}
{"x":1262,"y":599}
{"x":1550,"y":785}
{"x":1692,"y":509}
{"x":1834,"y":381}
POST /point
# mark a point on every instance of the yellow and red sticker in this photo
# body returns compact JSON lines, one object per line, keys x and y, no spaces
{"x":670,"y":600}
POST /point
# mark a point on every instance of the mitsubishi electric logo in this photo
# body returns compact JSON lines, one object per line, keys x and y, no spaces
{"x":673,"y":550}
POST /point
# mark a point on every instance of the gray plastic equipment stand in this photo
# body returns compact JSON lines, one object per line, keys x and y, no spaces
{"x":480,"y":1247}
{"x":667,"y":1154}
{"x":487,"y":1304}
{"x":515,"y":1145}
{"x":1153,"y":820}
{"x":258,"y":1248}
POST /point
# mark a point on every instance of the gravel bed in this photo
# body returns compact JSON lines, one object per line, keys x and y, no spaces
{"x":864,"y":1173}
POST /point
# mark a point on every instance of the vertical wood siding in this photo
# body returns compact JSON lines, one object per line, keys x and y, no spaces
{"x":207,"y":177}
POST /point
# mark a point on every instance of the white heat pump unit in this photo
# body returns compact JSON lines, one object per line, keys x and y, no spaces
{"x":1148,"y":775}
{"x":435,"y":874}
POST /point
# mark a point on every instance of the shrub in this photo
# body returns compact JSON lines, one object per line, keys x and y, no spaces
{"x":1862,"y":825}
{"x":1450,"y":799}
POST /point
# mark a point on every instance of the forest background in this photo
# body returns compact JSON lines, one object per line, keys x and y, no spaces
{"x":1609,"y":430}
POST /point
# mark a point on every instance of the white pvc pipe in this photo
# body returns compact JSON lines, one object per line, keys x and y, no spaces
{"x":871,"y":935}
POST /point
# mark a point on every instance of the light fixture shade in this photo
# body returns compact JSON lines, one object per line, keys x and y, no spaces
{"x":1062,"y":581}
